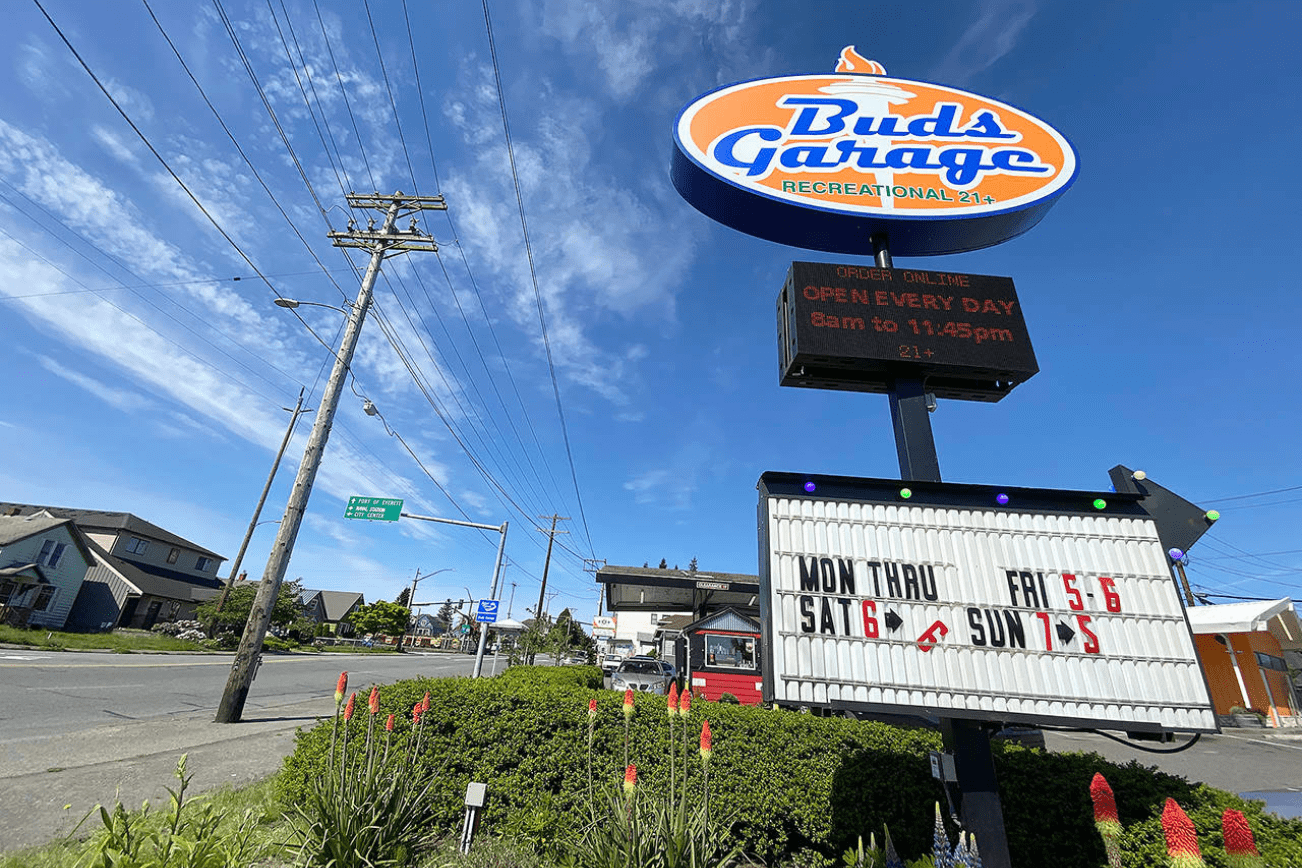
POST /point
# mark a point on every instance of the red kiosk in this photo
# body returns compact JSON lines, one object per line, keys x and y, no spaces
{"x":723,"y":657}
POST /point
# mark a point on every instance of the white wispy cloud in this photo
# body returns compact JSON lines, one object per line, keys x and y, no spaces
{"x":122,"y":399}
{"x":985,"y":41}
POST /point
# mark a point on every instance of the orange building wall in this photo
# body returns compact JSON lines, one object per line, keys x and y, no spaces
{"x":1225,"y":691}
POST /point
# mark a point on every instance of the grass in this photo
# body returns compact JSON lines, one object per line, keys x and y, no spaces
{"x":121,"y":641}
{"x":272,"y":828}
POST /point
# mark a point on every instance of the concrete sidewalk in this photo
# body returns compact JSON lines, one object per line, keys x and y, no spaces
{"x":48,"y":784}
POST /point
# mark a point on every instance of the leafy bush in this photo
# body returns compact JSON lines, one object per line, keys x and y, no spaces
{"x":801,"y":788}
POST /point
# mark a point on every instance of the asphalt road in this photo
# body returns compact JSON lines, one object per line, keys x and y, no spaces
{"x":80,"y":729}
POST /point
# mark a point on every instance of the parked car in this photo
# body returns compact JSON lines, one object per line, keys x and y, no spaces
{"x":610,"y":662}
{"x":575,"y":659}
{"x":644,"y":674}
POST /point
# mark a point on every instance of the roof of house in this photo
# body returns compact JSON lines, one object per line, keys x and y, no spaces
{"x":1276,"y":616}
{"x":334,"y":604}
{"x":673,"y":623}
{"x":729,"y":620}
{"x":149,"y":584}
{"x":94,"y":519}
{"x":15,"y":528}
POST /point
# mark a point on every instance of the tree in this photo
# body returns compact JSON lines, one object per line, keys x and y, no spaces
{"x":691,"y":565}
{"x":404,"y":598}
{"x":444,"y":618}
{"x":381,"y":617}
{"x":664,"y":564}
{"x":239,"y":603}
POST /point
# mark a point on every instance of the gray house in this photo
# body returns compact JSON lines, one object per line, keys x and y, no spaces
{"x":139,"y":573}
{"x":331,"y":609}
{"x":43,"y":564}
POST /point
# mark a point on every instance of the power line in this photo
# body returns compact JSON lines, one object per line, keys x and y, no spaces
{"x":533,"y":273}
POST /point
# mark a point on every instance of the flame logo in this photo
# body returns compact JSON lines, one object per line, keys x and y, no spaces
{"x":853,"y":61}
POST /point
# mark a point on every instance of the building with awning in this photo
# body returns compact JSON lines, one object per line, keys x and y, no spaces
{"x":645,"y":598}
{"x":1245,"y":649}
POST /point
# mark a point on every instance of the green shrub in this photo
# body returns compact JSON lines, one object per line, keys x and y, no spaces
{"x":800,"y":788}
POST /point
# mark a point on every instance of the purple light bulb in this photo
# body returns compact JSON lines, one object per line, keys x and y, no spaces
{"x":1175,"y":554}
{"x":809,"y":486}
{"x":1001,"y":499}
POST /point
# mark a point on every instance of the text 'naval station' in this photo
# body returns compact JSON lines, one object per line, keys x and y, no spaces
{"x":834,"y":601}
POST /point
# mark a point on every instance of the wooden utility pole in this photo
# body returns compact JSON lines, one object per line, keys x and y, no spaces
{"x":257,"y":511}
{"x":551,"y":538}
{"x":382,"y":242}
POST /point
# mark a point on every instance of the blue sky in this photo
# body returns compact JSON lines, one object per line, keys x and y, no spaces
{"x":141,"y":375}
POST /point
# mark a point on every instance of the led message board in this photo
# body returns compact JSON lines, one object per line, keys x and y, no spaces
{"x":858,"y":327}
{"x":827,"y":161}
{"x":967,"y":601}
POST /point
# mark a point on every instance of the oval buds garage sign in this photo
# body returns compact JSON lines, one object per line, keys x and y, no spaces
{"x":828,"y":161}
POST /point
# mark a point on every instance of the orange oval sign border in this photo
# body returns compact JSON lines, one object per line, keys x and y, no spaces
{"x":826,"y":160}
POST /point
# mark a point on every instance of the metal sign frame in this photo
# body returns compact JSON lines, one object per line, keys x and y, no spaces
{"x":1125,"y":660}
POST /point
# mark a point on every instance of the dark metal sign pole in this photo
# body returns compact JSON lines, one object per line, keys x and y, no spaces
{"x":968,"y":740}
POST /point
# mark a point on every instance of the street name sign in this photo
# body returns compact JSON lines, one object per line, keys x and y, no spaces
{"x":374,"y":508}
{"x":486,"y":611}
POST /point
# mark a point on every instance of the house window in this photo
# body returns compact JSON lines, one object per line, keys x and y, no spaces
{"x":43,"y":598}
{"x":655,"y":619}
{"x":173,"y":555}
{"x":51,"y":552}
{"x":202,"y":564}
{"x":137,"y":546}
{"x":733,"y":652}
{"x":6,"y":591}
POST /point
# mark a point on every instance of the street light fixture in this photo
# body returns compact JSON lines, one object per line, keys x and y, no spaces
{"x":292,"y":303}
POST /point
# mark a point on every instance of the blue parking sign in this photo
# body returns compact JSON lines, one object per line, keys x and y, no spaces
{"x":486,"y":613}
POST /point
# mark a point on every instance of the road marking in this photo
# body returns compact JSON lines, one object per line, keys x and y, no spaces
{"x":1270,"y":742}
{"x":24,"y":656}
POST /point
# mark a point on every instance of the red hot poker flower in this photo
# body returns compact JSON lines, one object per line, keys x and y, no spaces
{"x":1240,"y":849}
{"x":424,"y":703}
{"x":348,"y":709}
{"x":1181,"y":839}
{"x":706,"y":741}
{"x":388,"y":724}
{"x":1105,"y":805}
{"x":341,"y":687}
{"x":673,"y":699}
{"x":630,"y":779}
{"x":592,"y":709}
{"x":685,"y":702}
{"x":373,"y":704}
{"x":415,"y":713}
{"x":628,"y":702}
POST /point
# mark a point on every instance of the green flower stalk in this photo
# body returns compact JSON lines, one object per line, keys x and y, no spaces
{"x":672,"y":706}
{"x":1181,"y":839}
{"x":893,"y":859}
{"x":684,"y":711}
{"x":1105,"y":818}
{"x":341,"y":687}
{"x":1240,"y":849}
{"x":592,"y":723}
{"x":628,"y":720}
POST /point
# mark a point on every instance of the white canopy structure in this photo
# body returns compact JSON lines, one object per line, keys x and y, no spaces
{"x":1277,"y":616}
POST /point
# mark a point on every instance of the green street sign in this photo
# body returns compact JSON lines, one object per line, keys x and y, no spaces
{"x":465,"y":628}
{"x":373,"y":508}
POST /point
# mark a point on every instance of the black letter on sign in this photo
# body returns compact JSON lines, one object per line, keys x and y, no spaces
{"x":911,"y":590}
{"x":809,"y":575}
{"x":845,"y":569}
{"x":929,"y":591}
{"x":806,"y":614}
{"x":1016,"y":631}
{"x":974,"y":621}
{"x":829,"y":575}
{"x":998,"y":638}
{"x":892,"y":579}
{"x":825,"y":623}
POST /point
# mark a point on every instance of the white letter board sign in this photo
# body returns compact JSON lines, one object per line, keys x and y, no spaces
{"x":972,"y":601}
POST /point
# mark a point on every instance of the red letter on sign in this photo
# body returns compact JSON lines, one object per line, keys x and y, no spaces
{"x":869,"y":622}
{"x":929,"y":639}
{"x":1111,"y":599}
{"x":1048,"y":636}
{"x":1072,"y":594}
{"x":1091,"y":641}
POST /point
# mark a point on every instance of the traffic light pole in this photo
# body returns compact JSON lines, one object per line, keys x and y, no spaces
{"x":497,"y":573}
{"x":381,"y":243}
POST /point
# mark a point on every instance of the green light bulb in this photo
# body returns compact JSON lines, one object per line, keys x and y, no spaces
{"x":1100,"y":503}
{"x":906,"y":493}
{"x":1213,"y":515}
